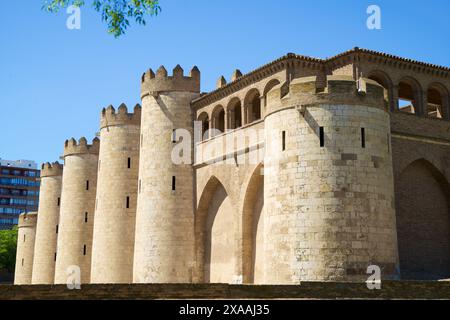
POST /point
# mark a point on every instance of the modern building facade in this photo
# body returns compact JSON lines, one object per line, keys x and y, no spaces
{"x":19,"y":190}
{"x":304,"y":169}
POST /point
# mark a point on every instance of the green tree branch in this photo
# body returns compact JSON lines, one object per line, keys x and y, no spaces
{"x":116,"y":13}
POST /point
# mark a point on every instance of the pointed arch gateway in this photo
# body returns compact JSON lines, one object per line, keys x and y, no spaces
{"x":215,"y":230}
{"x":253,"y":229}
{"x":423,"y":222}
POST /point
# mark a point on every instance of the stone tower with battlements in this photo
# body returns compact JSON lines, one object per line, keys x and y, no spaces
{"x":25,"y":248}
{"x":117,"y":186}
{"x":47,"y":224}
{"x":305,"y":169}
{"x":334,"y":216}
{"x":164,"y":245}
{"x":76,"y":219}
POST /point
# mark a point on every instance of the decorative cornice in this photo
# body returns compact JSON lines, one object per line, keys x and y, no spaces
{"x":341,"y":59}
{"x":256,"y":75}
{"x":389,"y":59}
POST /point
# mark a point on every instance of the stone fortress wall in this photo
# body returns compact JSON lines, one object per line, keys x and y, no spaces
{"x":164,"y":244}
{"x":25,"y":248}
{"x":115,"y":213}
{"x":76,"y":217}
{"x":303,"y":170}
{"x":47,"y":228}
{"x":337,"y":190}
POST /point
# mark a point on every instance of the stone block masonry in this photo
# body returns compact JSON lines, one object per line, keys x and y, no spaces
{"x":117,"y":189}
{"x":25,"y":248}
{"x":77,"y":209}
{"x":47,"y":224}
{"x":305,"y":169}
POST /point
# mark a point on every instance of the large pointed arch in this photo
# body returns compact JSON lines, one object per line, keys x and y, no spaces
{"x":423,"y":222}
{"x":252,"y":223}
{"x":213,"y":196}
{"x":200,"y":223}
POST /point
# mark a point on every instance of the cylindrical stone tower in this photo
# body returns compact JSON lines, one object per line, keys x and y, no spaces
{"x":164,"y":248}
{"x":25,"y":248}
{"x":47,"y":224}
{"x":77,"y":209}
{"x":115,"y":215}
{"x":328,"y":184}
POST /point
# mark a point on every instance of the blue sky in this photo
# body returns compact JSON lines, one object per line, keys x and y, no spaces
{"x":54,"y":81}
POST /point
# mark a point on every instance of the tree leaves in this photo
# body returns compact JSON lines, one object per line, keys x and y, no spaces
{"x":53,"y":6}
{"x":115,"y":13}
{"x":8,"y":244}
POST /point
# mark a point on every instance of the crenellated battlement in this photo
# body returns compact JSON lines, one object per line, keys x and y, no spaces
{"x":72,"y":147}
{"x":152,"y":84}
{"x":338,"y":90}
{"x":51,"y":169}
{"x":109,"y":116}
{"x":27,"y":220}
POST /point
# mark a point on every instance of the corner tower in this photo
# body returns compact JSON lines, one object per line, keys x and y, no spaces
{"x":77,"y":209}
{"x":47,"y":224}
{"x":164,"y":248}
{"x":25,"y":248}
{"x":115,"y":214}
{"x":328,"y":182}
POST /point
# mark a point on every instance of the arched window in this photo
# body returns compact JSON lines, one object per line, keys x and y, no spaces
{"x":437,"y":96}
{"x":409,"y":96}
{"x":252,"y":105}
{"x":269,"y":86}
{"x":234,"y":114}
{"x":218,"y":120}
{"x":383,"y":79}
{"x":203,"y":117}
